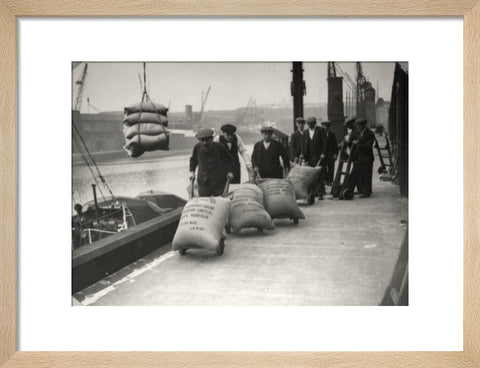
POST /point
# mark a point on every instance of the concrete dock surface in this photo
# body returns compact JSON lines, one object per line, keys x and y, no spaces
{"x":342,"y":254}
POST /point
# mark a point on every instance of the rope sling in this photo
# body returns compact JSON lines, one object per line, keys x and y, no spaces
{"x":146,"y":98}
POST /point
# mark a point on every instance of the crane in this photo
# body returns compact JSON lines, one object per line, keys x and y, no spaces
{"x":204,"y":101}
{"x":361,"y":81}
{"x":245,"y":111}
{"x":350,"y":95}
{"x":365,"y":97}
{"x":335,"y":106}
{"x":331,"y":70}
{"x":80,"y":87}
{"x":348,"y":80}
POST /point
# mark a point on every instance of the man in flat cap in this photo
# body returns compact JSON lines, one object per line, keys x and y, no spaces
{"x":315,"y":148}
{"x":234,"y":144}
{"x":266,"y":156}
{"x":363,"y":159}
{"x":350,"y":132}
{"x":297,"y":141}
{"x":349,"y":125}
{"x":349,"y":129}
{"x":214,"y":164}
{"x":331,"y":152}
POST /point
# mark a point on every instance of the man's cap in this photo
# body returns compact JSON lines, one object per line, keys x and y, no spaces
{"x":300,"y":120}
{"x":228,"y":128}
{"x":204,"y":133}
{"x":266,"y":129}
{"x":311,"y":120}
{"x":349,"y":121}
{"x":327,"y":122}
{"x":360,"y":121}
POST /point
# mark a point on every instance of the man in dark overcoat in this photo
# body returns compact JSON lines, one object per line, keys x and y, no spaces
{"x":214,"y":164}
{"x":331,"y":152}
{"x":363,"y":159}
{"x":315,"y":148}
{"x":234,"y":144}
{"x":266,"y":156}
{"x":297,"y":141}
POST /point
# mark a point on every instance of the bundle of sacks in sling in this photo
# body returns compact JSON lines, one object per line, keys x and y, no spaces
{"x":145,"y":128}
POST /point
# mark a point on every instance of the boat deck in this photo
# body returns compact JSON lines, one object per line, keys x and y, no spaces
{"x":344,"y":253}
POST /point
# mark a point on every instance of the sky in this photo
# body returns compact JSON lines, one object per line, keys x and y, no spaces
{"x":112,"y":86}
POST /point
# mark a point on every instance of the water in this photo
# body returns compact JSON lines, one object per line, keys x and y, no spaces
{"x":129,"y":177}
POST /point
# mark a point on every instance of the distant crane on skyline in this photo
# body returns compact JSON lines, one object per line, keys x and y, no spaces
{"x":204,"y":101}
{"x":80,"y":84}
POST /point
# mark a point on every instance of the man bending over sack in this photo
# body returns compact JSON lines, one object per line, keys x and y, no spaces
{"x":234,"y":144}
{"x":214,"y":164}
{"x":266,"y":156}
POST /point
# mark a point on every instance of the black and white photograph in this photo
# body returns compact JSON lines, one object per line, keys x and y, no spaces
{"x":240,"y":183}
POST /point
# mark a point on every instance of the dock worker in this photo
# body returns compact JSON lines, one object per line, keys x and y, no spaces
{"x":363,"y":161}
{"x":266,"y":156}
{"x":297,"y":141}
{"x":350,"y":129}
{"x":350,"y":133}
{"x":315,"y":148}
{"x":234,"y":144}
{"x":214,"y":164}
{"x":331,"y":152}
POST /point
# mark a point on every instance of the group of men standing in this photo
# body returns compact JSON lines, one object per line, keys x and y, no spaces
{"x":316,"y":146}
{"x":218,"y":158}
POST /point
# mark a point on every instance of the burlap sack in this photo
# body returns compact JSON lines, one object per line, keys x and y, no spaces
{"x":279,"y":196}
{"x":141,"y":143}
{"x":302,"y":177}
{"x":146,"y":107}
{"x":249,"y":191}
{"x":247,"y":209}
{"x":202,"y":223}
{"x":144,"y":128}
{"x":145,"y":118}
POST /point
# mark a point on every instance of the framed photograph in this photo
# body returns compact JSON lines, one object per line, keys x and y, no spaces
{"x":74,"y":98}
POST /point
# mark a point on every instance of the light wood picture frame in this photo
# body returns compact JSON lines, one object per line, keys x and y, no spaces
{"x":10,"y":10}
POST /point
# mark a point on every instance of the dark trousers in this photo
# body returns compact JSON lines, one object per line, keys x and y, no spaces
{"x":362,"y":176}
{"x":320,"y":183}
{"x":236,"y":174}
{"x":329,"y":167}
{"x":207,"y":189}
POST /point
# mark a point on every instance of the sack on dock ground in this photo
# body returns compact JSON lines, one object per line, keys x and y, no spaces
{"x":146,"y":107}
{"x":202,"y":223}
{"x":139,"y":144}
{"x":144,"y":128}
{"x":247,"y":209}
{"x":302,"y":178}
{"x":280,"y":200}
{"x":145,"y":118}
